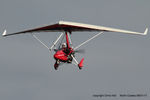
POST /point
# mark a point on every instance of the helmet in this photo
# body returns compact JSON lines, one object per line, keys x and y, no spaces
{"x":63,"y":45}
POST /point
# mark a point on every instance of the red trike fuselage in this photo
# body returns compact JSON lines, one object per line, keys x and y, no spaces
{"x":62,"y":55}
{"x":66,"y":55}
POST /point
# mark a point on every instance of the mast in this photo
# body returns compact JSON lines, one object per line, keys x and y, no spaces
{"x":67,"y":40}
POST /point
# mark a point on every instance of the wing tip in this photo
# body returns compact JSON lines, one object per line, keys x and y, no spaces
{"x":4,"y":33}
{"x":146,"y":31}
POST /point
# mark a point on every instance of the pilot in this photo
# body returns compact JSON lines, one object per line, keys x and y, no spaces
{"x":67,"y":51}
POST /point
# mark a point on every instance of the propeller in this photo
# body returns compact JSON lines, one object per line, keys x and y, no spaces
{"x":80,"y":51}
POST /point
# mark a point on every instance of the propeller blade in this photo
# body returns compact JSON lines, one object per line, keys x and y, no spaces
{"x":80,"y":51}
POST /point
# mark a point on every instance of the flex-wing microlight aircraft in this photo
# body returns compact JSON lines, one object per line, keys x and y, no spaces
{"x":66,"y":53}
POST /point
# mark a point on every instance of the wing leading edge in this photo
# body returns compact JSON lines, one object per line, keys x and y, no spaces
{"x":62,"y":26}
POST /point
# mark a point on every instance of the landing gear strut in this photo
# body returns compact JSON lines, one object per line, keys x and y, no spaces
{"x":56,"y":65}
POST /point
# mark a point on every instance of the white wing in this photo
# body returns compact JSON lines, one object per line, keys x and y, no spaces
{"x":62,"y":26}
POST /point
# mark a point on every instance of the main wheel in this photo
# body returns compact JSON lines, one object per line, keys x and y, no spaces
{"x":56,"y":64}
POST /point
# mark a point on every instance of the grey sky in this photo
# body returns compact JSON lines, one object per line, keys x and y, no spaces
{"x":114,"y":63}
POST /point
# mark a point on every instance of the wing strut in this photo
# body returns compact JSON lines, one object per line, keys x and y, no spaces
{"x":88,"y":40}
{"x":40,"y":41}
{"x":45,"y":44}
{"x":56,"y":41}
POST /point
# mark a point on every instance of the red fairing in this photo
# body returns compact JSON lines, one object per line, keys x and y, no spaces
{"x":81,"y":63}
{"x":60,"y":55}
